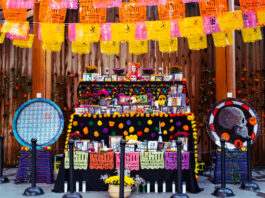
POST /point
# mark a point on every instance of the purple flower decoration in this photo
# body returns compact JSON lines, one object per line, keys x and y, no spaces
{"x":105,"y":130}
{"x":128,"y":122}
{"x":153,"y":135}
{"x":178,"y":123}
{"x":81,"y":124}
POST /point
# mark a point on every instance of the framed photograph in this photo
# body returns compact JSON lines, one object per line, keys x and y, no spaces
{"x":97,"y":110}
{"x":160,"y":146}
{"x":153,"y":76}
{"x":107,"y":79}
{"x":114,"y":77}
{"x":159,"y":78}
{"x":114,"y":142}
{"x":152,"y":146}
{"x":126,"y":109}
{"x":118,"y":109}
{"x":95,"y":76}
{"x":184,"y":145}
{"x":180,"y":89}
{"x":178,"y":76}
{"x":165,"y":109}
{"x":100,"y":78}
{"x":146,"y":77}
{"x":169,"y":77}
{"x":174,"y":101}
{"x":87,"y":76}
{"x":142,"y":98}
{"x":141,"y":146}
{"x":103,"y":110}
{"x":91,"y":110}
{"x":120,"y":78}
{"x":133,"y":69}
{"x":129,"y":148}
{"x":124,"y":99}
{"x":81,"y":110}
{"x":173,"y":90}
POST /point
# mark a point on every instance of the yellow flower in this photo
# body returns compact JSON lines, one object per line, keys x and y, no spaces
{"x":96,"y":134}
{"x":125,"y":133}
{"x":165,"y":132}
{"x":99,"y":123}
{"x":121,"y":126}
{"x":146,"y":130}
{"x":149,"y":122}
{"x":75,"y":123}
{"x":131,"y":129}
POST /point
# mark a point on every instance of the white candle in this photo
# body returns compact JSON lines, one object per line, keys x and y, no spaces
{"x":164,"y":187}
{"x":184,"y":187}
{"x":156,"y":187}
{"x":65,"y":186}
{"x":173,"y":187}
{"x":84,"y":186}
{"x":148,"y":187}
{"x":77,"y":186}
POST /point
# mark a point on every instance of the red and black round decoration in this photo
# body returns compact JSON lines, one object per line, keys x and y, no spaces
{"x":234,"y":120}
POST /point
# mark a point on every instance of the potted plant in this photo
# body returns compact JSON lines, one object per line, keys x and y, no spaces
{"x":91,"y":69}
{"x":148,"y":71}
{"x":174,"y":69}
{"x":119,"y":71}
{"x":114,"y":186}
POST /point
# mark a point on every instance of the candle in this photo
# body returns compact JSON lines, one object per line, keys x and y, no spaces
{"x":148,"y":187}
{"x":164,"y":187}
{"x":65,"y":186}
{"x":184,"y":187}
{"x":173,"y":187}
{"x":156,"y":187}
{"x":83,"y":186}
{"x":77,"y":186}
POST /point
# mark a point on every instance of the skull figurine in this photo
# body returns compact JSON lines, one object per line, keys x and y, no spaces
{"x":233,"y":118}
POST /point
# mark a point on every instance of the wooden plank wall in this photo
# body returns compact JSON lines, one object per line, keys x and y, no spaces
{"x":67,"y":69}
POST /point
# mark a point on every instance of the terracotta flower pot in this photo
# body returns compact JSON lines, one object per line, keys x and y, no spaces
{"x":114,"y":191}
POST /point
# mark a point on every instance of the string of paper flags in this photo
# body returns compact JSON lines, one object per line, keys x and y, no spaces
{"x":138,"y":31}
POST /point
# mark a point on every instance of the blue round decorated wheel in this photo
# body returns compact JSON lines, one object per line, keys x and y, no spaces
{"x":38,"y":118}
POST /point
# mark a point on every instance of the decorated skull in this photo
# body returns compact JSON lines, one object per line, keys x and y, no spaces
{"x":233,"y":118}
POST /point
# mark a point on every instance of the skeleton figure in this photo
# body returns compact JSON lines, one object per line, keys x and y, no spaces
{"x":234,"y":119}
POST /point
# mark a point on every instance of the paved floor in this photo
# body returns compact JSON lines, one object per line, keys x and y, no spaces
{"x":12,"y":190}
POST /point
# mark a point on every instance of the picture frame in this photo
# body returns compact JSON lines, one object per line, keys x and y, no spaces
{"x":95,"y":76}
{"x":160,"y":146}
{"x":174,"y":101}
{"x":81,"y":110}
{"x":107,"y":79}
{"x":118,"y":109}
{"x":169,"y":77}
{"x":91,"y":110}
{"x":180,"y":89}
{"x":184,"y":145}
{"x":114,"y":142}
{"x":159,"y":78}
{"x":124,"y":99}
{"x":141,"y":146}
{"x":122,"y":77}
{"x":100,"y":78}
{"x":126,"y":109}
{"x":153,"y":76}
{"x":114,"y":77}
{"x":152,"y":146}
{"x":178,"y":76}
{"x":142,"y":98}
{"x":97,"y":110}
{"x":165,"y":109}
{"x":173,"y":90}
{"x":129,"y":148}
{"x":146,"y":77}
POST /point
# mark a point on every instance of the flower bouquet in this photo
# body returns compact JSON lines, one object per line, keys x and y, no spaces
{"x":148,"y":71}
{"x":118,"y":71}
{"x":175,"y":69}
{"x":114,"y":185}
{"x":91,"y":69}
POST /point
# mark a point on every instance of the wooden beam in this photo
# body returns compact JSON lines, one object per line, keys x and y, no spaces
{"x":38,"y":59}
{"x":225,"y":68}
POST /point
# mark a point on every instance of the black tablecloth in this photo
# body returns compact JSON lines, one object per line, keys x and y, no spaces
{"x":93,"y":182}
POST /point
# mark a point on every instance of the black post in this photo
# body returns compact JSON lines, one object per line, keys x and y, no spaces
{"x":223,"y":191}
{"x":2,"y":179}
{"x":249,"y":185}
{"x":122,"y":164}
{"x":72,"y":194}
{"x":179,"y":163}
{"x":33,"y":190}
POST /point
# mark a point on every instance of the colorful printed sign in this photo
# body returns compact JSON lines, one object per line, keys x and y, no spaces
{"x":132,"y":161}
{"x":174,"y":9}
{"x":171,"y":161}
{"x":152,"y":160}
{"x":102,"y":160}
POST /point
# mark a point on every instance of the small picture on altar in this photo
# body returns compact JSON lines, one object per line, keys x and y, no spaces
{"x":159,"y":78}
{"x":120,"y":78}
{"x":141,"y":146}
{"x":95,"y":76}
{"x":184,"y":145}
{"x":165,"y":109}
{"x":118,"y":109}
{"x":107,"y":79}
{"x":129,"y":148}
{"x":103,"y":110}
{"x":91,"y":110}
{"x":180,"y":89}
{"x":114,"y":77}
{"x":133,"y":107}
{"x":126,"y":109}
{"x":142,"y":99}
{"x":169,"y":77}
{"x":152,"y":146}
{"x":124,"y":99}
{"x":114,"y":142}
{"x":100,"y":78}
{"x":146,"y":77}
{"x":160,"y":146}
{"x":97,"y":110}
{"x":178,"y":76}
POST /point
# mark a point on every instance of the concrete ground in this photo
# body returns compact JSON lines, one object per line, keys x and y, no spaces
{"x":12,"y":190}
